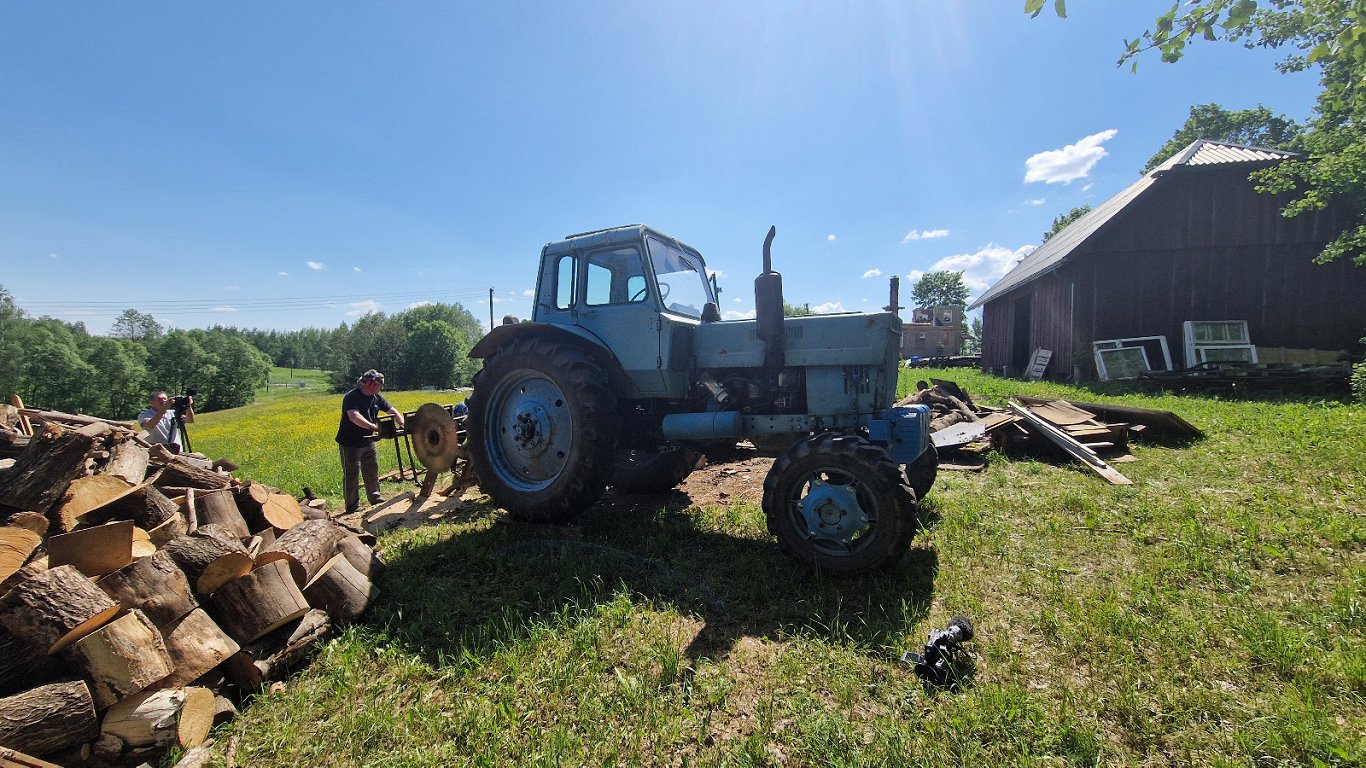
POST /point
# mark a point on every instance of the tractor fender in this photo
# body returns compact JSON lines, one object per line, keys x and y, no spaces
{"x":560,"y":334}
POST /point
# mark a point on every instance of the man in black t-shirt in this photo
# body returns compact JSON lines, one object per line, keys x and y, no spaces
{"x":356,"y":436}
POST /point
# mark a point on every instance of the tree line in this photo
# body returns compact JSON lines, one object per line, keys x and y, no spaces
{"x":59,"y":365}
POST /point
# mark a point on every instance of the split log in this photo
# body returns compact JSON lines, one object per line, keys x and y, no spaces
{"x":154,"y":585}
{"x":341,"y":590}
{"x":220,"y":508}
{"x":41,"y":475}
{"x":121,"y":658}
{"x":199,"y":757}
{"x":146,"y":505}
{"x":282,"y":511}
{"x":196,"y":644}
{"x":251,"y":496}
{"x":96,"y":551}
{"x":195,"y":552}
{"x":182,"y":473}
{"x":96,"y":429}
{"x":16,"y":546}
{"x":56,"y":608}
{"x":85,"y":495}
{"x":24,"y":665}
{"x":129,"y":461}
{"x":260,"y":602}
{"x":230,"y":566}
{"x":362,"y":557}
{"x":12,"y":759}
{"x":224,"y":710}
{"x":179,"y":717}
{"x":30,"y":521}
{"x":169,"y":530}
{"x":48,"y":718}
{"x":279,"y":653}
{"x":312,"y":543}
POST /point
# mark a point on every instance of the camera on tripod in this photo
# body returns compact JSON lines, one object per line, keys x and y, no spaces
{"x":181,"y":403}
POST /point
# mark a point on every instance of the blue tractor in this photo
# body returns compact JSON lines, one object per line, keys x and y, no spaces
{"x":627,"y":375}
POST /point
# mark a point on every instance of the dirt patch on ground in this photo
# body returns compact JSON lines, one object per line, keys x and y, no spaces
{"x":739,"y":480}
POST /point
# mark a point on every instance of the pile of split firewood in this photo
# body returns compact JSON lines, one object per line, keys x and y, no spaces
{"x":144,"y":595}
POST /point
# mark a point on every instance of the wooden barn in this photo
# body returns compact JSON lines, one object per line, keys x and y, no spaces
{"x":1189,"y":245}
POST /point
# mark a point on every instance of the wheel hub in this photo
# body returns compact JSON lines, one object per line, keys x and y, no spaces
{"x":530,"y":428}
{"x":832,"y":512}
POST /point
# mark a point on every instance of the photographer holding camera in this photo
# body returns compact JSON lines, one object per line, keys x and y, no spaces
{"x":166,"y":418}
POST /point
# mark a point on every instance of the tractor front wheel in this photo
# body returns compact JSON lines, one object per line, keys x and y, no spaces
{"x":921,"y":473}
{"x":542,"y":429}
{"x":840,"y":503}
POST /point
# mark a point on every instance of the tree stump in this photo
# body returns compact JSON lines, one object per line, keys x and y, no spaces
{"x":41,"y":474}
{"x":96,"y":551}
{"x":56,"y":608}
{"x":220,"y":508}
{"x":48,"y":718}
{"x":179,"y":717}
{"x":196,"y":644}
{"x":258,"y":603}
{"x":154,"y":585}
{"x":121,"y":658}
{"x":312,"y":543}
{"x":341,"y":590}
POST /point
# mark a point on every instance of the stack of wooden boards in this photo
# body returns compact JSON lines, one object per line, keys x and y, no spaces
{"x":144,"y":594}
{"x":1096,"y":434}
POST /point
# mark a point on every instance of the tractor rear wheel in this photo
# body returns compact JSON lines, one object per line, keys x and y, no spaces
{"x":840,"y":503}
{"x":542,"y":429}
{"x":653,"y":472}
{"x":921,"y":473}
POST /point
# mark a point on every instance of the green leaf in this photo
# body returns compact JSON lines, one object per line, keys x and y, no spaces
{"x":1060,"y":7}
{"x":1032,"y":7}
{"x":1319,"y":51}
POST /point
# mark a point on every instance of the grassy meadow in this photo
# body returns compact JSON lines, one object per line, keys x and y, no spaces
{"x":1211,"y":614}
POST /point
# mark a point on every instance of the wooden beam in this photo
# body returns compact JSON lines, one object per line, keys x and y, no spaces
{"x":1080,"y":452}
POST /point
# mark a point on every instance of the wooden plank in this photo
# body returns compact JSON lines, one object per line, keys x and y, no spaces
{"x":1064,"y":441}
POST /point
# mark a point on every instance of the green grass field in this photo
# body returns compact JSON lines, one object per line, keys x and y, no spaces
{"x":1211,"y":614}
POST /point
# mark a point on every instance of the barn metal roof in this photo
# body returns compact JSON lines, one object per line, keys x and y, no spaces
{"x":1053,"y":253}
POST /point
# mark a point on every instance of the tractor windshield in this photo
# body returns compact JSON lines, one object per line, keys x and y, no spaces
{"x":683,"y":285}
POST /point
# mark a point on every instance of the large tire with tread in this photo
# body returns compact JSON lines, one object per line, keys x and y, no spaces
{"x":921,"y":473}
{"x":840,"y":503}
{"x":653,"y":472}
{"x":542,"y":429}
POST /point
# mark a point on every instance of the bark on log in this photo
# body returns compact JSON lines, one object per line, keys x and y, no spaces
{"x":56,"y":608}
{"x":182,"y":473}
{"x":146,"y":505}
{"x":260,"y":602}
{"x":362,"y":557}
{"x":24,"y":665}
{"x":121,"y":658}
{"x":279,"y":653}
{"x":33,"y":567}
{"x":195,"y":552}
{"x":76,"y":419}
{"x":96,"y":551}
{"x":16,"y":546}
{"x":199,"y":757}
{"x":48,"y":718}
{"x":196,"y":644}
{"x":129,"y":461}
{"x":154,"y":585}
{"x":41,"y":475}
{"x":312,"y":543}
{"x":341,"y":590}
{"x":220,"y":508}
{"x":164,"y":718}
{"x":251,"y":496}
{"x":169,"y":530}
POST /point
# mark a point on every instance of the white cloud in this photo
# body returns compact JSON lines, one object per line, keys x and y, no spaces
{"x":731,"y":314}
{"x":282,"y":274}
{"x":356,"y":268}
{"x":529,"y":293}
{"x":1072,"y":162}
{"x":924,"y":234}
{"x":362,"y":308}
{"x":315,"y":265}
{"x":874,"y":272}
{"x":53,"y":256}
{"x":423,"y":303}
{"x":1088,"y":186}
{"x":232,"y":287}
{"x":984,"y":267}
{"x":1035,"y":201}
{"x":915,"y":275}
{"x":738,"y":300}
{"x":830,"y":238}
{"x":224,"y":309}
{"x":829,"y":307}
{"x":718,"y":274}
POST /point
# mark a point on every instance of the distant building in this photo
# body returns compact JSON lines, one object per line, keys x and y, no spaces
{"x":933,"y":332}
{"x":1187,"y":246}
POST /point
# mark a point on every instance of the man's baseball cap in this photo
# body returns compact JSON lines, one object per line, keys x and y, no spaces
{"x":372,"y":375}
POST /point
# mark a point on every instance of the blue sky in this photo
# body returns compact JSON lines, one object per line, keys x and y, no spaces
{"x":282,"y":165}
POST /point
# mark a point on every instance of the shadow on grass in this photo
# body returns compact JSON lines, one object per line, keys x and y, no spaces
{"x":451,"y":594}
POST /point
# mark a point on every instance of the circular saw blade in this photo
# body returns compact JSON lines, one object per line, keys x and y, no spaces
{"x":434,"y":436}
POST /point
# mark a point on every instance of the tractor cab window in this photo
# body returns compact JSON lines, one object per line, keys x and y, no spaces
{"x":682,"y":280}
{"x":564,"y":281}
{"x":615,"y":276}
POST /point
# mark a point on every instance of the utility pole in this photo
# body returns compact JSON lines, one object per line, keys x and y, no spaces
{"x":490,"y":310}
